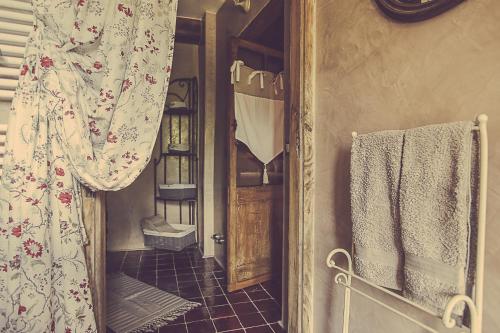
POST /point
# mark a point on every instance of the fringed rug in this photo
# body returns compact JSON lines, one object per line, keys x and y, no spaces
{"x":134,"y":306}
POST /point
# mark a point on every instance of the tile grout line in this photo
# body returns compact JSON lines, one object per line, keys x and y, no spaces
{"x":139,"y":267}
{"x":258,"y":310}
{"x":123,"y":261}
{"x":228,"y":302}
{"x":201,"y":293}
{"x":178,"y":289}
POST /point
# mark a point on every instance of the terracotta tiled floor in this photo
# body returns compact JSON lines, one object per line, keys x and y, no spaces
{"x":187,"y":274}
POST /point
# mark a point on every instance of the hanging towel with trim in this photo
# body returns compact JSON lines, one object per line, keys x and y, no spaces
{"x":435,"y":202}
{"x":375,"y":173}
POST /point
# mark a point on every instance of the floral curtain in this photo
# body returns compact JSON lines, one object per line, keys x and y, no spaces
{"x":87,"y":111}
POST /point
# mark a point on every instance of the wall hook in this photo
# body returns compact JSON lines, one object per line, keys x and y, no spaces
{"x":244,"y":4}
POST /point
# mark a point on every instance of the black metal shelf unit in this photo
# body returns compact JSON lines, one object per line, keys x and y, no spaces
{"x":179,"y":126}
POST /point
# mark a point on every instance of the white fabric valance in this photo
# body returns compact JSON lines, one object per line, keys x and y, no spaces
{"x":259,"y":112}
{"x":260,"y":125}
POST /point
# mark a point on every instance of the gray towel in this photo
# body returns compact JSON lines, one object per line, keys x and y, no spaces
{"x":435,"y":202}
{"x":375,"y":176}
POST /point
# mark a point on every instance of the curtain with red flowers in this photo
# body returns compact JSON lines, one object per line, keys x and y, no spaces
{"x":87,"y":111}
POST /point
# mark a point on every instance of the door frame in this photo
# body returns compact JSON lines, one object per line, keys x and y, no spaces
{"x":299,"y":99}
{"x":299,"y":56}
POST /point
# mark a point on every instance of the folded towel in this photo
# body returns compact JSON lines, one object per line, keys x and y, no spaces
{"x":158,"y":224}
{"x":375,"y":176}
{"x":435,"y":202}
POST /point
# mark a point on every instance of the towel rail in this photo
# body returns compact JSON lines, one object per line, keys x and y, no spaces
{"x":474,"y":304}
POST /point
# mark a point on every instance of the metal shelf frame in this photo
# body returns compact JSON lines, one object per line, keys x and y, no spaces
{"x":183,"y":90}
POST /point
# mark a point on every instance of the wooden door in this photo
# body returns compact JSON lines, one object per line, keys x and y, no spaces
{"x":255,"y":235}
{"x":255,"y":214}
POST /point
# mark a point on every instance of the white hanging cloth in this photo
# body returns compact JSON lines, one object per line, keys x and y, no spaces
{"x":259,"y":114}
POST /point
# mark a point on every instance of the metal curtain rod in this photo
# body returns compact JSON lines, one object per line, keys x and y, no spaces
{"x":475,"y":304}
{"x":474,"y":128}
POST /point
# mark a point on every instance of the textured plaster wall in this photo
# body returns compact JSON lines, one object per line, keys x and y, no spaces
{"x":374,"y":74}
{"x":231,"y":21}
{"x":127,"y":207}
{"x":208,"y":53}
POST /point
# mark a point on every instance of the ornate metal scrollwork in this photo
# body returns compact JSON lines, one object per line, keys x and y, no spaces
{"x":415,"y":10}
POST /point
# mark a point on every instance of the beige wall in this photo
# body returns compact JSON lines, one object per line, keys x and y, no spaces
{"x":208,"y":53}
{"x":373,"y":74}
{"x":231,"y":21}
{"x":127,"y":207}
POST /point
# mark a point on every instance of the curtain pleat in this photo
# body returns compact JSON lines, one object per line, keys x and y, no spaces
{"x":86,"y":111}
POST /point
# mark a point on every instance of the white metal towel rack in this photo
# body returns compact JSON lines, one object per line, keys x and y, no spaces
{"x":475,"y":304}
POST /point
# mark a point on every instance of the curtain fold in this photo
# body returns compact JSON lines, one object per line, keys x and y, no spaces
{"x":87,"y":111}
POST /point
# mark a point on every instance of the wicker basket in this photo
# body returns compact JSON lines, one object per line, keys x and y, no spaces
{"x":171,"y":241}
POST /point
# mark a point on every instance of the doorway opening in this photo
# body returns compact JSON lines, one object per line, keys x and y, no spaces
{"x":254,"y":295}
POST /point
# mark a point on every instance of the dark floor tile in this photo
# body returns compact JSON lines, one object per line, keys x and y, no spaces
{"x":216,"y":300}
{"x":202,"y":326}
{"x":131,"y":263}
{"x":165,"y":266}
{"x":207,"y":283}
{"x":237,"y":297}
{"x":167,"y":273}
{"x":254,"y":288}
{"x":197,"y":314}
{"x":267,"y":305}
{"x":148,"y":262}
{"x":221,"y":311}
{"x":271,"y":316}
{"x":244,"y":308}
{"x":151,"y":280}
{"x":258,"y":295}
{"x":227,"y":324}
{"x":211,"y":291}
{"x":187,"y":270}
{"x":251,"y":319}
{"x":188,"y":284}
{"x":273,"y":288}
{"x":204,"y":276}
{"x":130,"y":273}
{"x":190,"y":292}
{"x":186,"y":277}
{"x":259,"y":329}
{"x":277,"y":328}
{"x":167,"y":285}
{"x":182,"y":264}
{"x":202,"y":280}
{"x":143,"y":274}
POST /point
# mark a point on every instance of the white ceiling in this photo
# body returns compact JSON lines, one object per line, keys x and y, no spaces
{"x":196,"y":8}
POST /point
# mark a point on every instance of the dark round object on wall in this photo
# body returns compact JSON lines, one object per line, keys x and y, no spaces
{"x":415,"y":10}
